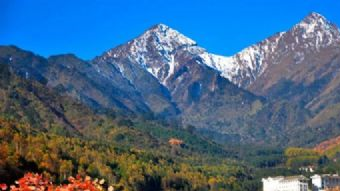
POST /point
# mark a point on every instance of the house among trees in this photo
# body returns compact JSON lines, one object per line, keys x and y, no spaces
{"x":289,"y":183}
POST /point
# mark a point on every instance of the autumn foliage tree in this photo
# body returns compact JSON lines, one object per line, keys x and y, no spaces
{"x":37,"y":182}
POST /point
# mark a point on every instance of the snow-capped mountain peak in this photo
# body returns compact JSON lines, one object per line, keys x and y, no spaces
{"x":155,"y":50}
{"x":318,"y":28}
{"x":313,"y":33}
{"x":313,"y":20}
{"x":161,"y":37}
{"x":167,"y":36}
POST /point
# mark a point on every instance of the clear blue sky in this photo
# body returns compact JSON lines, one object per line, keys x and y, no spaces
{"x":89,"y":27}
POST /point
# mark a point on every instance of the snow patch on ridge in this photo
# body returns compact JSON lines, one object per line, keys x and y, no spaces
{"x":249,"y":63}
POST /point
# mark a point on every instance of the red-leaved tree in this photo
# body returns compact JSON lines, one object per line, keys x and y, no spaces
{"x":36,"y":182}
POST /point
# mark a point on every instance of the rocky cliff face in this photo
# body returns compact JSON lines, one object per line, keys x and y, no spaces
{"x":168,"y":67}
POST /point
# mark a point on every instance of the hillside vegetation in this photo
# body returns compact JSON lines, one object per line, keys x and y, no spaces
{"x":42,"y":131}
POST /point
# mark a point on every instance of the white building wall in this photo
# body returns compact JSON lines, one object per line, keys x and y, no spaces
{"x":270,"y":184}
{"x":317,"y":183}
{"x":282,"y":184}
{"x":321,"y":182}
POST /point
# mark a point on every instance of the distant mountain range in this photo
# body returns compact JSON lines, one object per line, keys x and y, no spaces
{"x":282,"y":90}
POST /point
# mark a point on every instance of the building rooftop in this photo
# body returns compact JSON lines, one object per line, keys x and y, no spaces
{"x":287,"y":178}
{"x":325,"y":175}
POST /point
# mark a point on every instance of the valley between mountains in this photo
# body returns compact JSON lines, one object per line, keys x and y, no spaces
{"x":231,"y":119}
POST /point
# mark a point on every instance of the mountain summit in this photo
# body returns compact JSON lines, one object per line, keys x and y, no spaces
{"x":313,"y":33}
{"x":317,"y":28}
{"x":154,"y":50}
{"x":300,"y":52}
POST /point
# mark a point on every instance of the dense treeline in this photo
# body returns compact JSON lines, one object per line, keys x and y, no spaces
{"x":300,"y":157}
{"x":307,"y":158}
{"x":58,"y":157}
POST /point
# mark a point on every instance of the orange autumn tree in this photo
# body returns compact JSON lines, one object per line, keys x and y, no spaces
{"x":175,"y":145}
{"x":174,"y":141}
{"x":37,"y":182}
